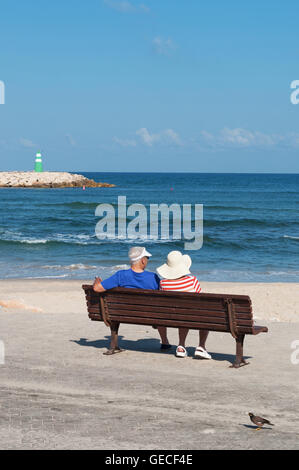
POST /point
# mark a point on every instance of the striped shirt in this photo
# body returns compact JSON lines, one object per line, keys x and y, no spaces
{"x":184,"y":284}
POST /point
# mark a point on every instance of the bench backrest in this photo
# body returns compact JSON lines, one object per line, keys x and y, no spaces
{"x":218,"y":312}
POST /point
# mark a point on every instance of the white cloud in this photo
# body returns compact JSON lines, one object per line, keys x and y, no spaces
{"x":167,"y":136}
{"x":244,"y":138}
{"x":27,"y":143}
{"x":226,"y":138}
{"x":70,"y":140}
{"x":163,"y":46}
{"x":164,"y":137}
{"x":144,"y":8}
{"x":122,"y":5}
{"x":125,"y":6}
{"x":146,"y":137}
{"x":172,"y":136}
{"x":239,"y":137}
{"x":207,"y":135}
{"x":293,"y":139}
{"x":125,"y":142}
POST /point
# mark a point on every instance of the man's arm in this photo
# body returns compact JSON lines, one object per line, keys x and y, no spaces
{"x":97,"y":285}
{"x":102,"y":286}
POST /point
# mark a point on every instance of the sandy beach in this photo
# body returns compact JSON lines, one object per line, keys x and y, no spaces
{"x":65,"y":296}
{"x":58,"y":391}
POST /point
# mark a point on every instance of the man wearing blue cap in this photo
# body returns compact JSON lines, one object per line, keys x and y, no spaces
{"x":135,"y":278}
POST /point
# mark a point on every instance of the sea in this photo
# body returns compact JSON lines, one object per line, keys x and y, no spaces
{"x":250,"y":227}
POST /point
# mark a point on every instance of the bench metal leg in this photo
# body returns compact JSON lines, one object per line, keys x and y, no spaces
{"x":113,"y":348}
{"x":240,"y":361}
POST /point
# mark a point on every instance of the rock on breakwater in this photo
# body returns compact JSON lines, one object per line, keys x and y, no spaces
{"x":47,"y":179}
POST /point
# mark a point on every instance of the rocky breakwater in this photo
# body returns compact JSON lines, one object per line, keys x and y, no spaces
{"x":47,"y":179}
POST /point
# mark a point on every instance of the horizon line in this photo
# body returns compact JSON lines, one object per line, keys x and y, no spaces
{"x":193,"y":172}
{"x":163,"y":172}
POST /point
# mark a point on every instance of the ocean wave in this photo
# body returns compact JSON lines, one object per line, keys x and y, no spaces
{"x":70,"y":267}
{"x":83,"y":239}
{"x":58,"y":276}
{"x":250,"y":223}
{"x":8,"y":237}
{"x":33,"y":241}
{"x":80,"y":266}
{"x":80,"y":204}
{"x":76,"y":239}
{"x":205,"y":275}
{"x":91,"y":240}
{"x":291,"y":237}
{"x":256,"y":209}
{"x":245,"y":275}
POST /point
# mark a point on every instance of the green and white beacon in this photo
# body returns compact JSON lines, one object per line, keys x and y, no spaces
{"x":38,"y":163}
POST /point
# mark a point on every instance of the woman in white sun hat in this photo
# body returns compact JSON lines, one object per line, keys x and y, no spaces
{"x":177,"y":277}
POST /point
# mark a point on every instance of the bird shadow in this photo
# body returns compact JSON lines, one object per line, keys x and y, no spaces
{"x":250,"y":426}
{"x":149,"y":345}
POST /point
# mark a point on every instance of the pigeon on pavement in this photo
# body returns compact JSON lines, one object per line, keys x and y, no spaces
{"x":258,"y":421}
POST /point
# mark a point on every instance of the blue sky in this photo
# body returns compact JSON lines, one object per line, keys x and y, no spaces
{"x":149,"y":85}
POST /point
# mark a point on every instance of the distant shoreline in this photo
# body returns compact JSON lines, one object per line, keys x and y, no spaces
{"x":187,"y":173}
{"x":47,"y":179}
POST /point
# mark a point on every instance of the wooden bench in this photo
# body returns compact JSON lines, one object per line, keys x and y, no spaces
{"x":214,"y":312}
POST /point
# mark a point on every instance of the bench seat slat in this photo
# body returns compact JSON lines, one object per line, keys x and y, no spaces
{"x":187,"y":318}
{"x":165,"y":310}
{"x":157,"y":315}
{"x":198,"y":310}
{"x":174,"y":323}
{"x":174,"y":294}
{"x":168,"y":310}
{"x":164,"y":302}
{"x":246,"y":311}
{"x":169,"y":323}
{"x":185,"y":297}
{"x":196,"y":303}
{"x":196,"y":316}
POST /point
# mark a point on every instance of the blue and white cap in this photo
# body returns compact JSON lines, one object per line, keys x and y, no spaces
{"x":138,"y":252}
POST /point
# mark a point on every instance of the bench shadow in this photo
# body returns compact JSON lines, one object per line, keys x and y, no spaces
{"x":150,"y":345}
{"x":225,"y":357}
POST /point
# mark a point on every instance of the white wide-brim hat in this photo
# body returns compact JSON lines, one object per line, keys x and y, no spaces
{"x":177,"y":265}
